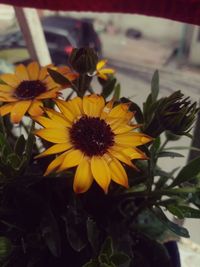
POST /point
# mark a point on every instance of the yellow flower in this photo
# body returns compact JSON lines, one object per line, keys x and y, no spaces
{"x":25,"y":90}
{"x":96,"y":137}
{"x":102,"y":72}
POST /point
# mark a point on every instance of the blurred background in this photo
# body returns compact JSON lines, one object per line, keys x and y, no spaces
{"x":134,"y":45}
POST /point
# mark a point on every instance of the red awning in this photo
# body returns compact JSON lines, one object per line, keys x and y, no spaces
{"x":182,"y":10}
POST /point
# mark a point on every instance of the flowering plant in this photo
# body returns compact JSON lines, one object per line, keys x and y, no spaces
{"x":80,"y":183}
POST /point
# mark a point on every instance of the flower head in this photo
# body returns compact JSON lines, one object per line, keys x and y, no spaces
{"x":94,"y":136}
{"x":102,"y":72}
{"x":25,"y":90}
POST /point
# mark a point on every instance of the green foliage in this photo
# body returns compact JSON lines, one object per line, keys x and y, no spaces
{"x":108,"y":86}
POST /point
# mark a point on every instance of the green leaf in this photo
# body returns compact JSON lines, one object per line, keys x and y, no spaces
{"x":91,"y":263}
{"x":20,"y":145}
{"x":107,"y":247}
{"x":5,"y":247}
{"x":117,"y":92}
{"x":184,"y":211}
{"x":155,"y":146}
{"x":103,"y":258}
{"x":76,"y":228}
{"x":137,"y":188}
{"x":13,"y":160}
{"x":93,"y":234}
{"x":108,"y":87}
{"x":188,"y":172}
{"x":4,"y":142}
{"x":120,"y":258}
{"x":175,"y":228}
{"x":155,"y":86}
{"x":50,"y":233}
{"x":29,"y":146}
{"x":170,"y":154}
{"x":58,"y":77}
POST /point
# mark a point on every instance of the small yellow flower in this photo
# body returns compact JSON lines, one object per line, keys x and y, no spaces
{"x":102,"y":72}
{"x":25,"y":90}
{"x":94,"y":136}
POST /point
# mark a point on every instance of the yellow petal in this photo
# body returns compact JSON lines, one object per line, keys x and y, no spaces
{"x":21,"y":72}
{"x":55,"y":149}
{"x":63,"y":106}
{"x":134,"y":153}
{"x":132,"y":139}
{"x":107,"y":71}
{"x":36,"y":108}
{"x":72,"y":159}
{"x":106,"y":110}
{"x":93,"y":105}
{"x":102,"y":76}
{"x":10,"y":79}
{"x":57,"y":117}
{"x":6,"y":88}
{"x":122,"y":128}
{"x":101,"y":172}
{"x":75,"y":106}
{"x":54,"y":135}
{"x":33,"y":70}
{"x":118,"y":173}
{"x":55,"y":164}
{"x":48,"y":123}
{"x":7,"y":97}
{"x":5,"y":109}
{"x":101,"y":64}
{"x":83,"y":177}
{"x":18,"y":110}
{"x":49,"y":94}
{"x":121,"y":111}
{"x":43,"y":73}
{"x":121,"y":156}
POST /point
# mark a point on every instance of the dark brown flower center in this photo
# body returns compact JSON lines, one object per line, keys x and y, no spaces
{"x":30,"y":89}
{"x":92,"y":136}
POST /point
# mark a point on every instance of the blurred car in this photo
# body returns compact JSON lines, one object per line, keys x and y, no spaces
{"x":61,"y":33}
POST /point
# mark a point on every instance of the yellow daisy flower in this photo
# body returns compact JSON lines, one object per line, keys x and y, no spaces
{"x":25,"y":90}
{"x":102,"y":72}
{"x":94,"y":136}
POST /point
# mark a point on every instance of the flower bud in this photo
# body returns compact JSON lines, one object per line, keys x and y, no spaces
{"x":173,"y":113}
{"x":83,"y":60}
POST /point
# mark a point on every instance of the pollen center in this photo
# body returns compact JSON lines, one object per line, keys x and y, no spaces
{"x":30,"y":89}
{"x":92,"y":136}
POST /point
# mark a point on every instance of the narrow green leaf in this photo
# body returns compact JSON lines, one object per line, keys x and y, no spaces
{"x":170,"y":154}
{"x":182,"y":211}
{"x":29,"y":146}
{"x":175,"y":228}
{"x":50,"y":233}
{"x":20,"y":145}
{"x":108,"y":87}
{"x":155,"y":86}
{"x":93,"y":234}
{"x":117,"y":92}
{"x":137,"y":188}
{"x":188,"y":172}
{"x":58,"y":77}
